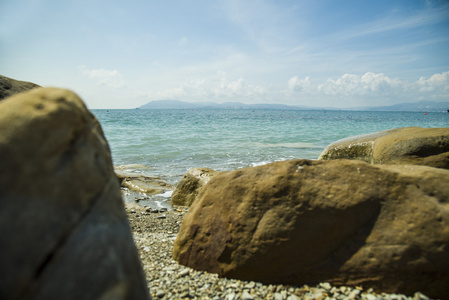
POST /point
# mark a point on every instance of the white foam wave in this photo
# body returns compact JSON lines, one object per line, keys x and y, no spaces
{"x":167,"y":194}
{"x":261,"y":163}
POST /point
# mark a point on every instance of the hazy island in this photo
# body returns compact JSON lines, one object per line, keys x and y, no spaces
{"x":422,"y":106}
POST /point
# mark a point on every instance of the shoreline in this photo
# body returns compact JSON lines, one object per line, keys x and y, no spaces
{"x":154,"y":235}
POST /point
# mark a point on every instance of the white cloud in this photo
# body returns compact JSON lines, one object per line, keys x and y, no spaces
{"x":438,"y":83}
{"x":296,"y":84}
{"x":363,"y":89}
{"x":369,"y":84}
{"x":213,"y":88}
{"x":110,"y":78}
{"x":348,"y":90}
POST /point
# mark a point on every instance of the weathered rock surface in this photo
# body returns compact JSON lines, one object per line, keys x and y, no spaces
{"x":190,"y":184}
{"x":408,"y":145}
{"x":345,"y":222}
{"x":9,"y":86}
{"x":141,"y":183}
{"x":64,"y":232}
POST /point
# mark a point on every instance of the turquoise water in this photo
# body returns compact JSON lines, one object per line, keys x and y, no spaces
{"x":170,"y":142}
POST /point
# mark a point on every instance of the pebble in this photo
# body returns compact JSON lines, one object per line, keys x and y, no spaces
{"x":246,"y":296}
{"x":160,"y":294}
{"x":184,"y":273}
{"x":326,"y":285}
{"x":278,"y":296}
{"x":154,"y":238}
{"x":250,"y":285}
{"x":353,"y":294}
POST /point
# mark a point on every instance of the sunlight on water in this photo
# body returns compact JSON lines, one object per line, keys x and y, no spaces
{"x":169,"y":142}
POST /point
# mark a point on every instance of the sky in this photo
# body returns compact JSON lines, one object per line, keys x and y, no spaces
{"x":320,"y":53}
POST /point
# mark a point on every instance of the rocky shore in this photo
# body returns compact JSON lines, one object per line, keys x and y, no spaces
{"x":154,"y":234}
{"x":326,"y":229}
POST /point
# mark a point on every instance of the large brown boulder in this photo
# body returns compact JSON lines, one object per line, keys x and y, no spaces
{"x":64,"y":232}
{"x":9,"y":86}
{"x":408,"y":145}
{"x":341,"y":221}
{"x":190,"y":185}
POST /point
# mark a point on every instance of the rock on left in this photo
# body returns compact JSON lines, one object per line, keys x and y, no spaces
{"x":64,"y":232}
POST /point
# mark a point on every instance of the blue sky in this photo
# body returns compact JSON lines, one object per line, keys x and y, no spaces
{"x":123,"y":54}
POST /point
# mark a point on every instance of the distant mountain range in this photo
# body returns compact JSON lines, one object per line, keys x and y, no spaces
{"x":427,"y":106}
{"x":177,"y":104}
{"x":421,"y":106}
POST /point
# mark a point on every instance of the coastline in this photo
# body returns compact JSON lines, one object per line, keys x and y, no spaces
{"x":154,"y":235}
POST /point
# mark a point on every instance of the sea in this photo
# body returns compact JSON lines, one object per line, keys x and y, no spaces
{"x":167,"y":143}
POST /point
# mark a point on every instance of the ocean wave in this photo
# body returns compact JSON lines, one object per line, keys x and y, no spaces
{"x":257,"y":164}
{"x":298,"y":145}
{"x":167,"y":194}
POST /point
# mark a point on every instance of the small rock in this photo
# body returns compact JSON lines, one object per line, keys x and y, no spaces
{"x":326,"y":285}
{"x":160,"y":293}
{"x":185,"y":295}
{"x":318,"y":294}
{"x":369,"y":297}
{"x":184,"y":273}
{"x":190,"y":185}
{"x":420,"y":296}
{"x":353,"y":294}
{"x":233,"y":285}
{"x":247,"y":296}
{"x":230,"y":296}
{"x":278,"y":296}
{"x":163,"y":209}
{"x":250,"y":285}
{"x":162,"y":217}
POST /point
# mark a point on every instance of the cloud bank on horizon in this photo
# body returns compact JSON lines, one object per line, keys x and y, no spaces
{"x":119,"y":54}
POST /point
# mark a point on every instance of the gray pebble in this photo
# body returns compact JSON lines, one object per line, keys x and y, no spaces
{"x":353,"y":294}
{"x":183,"y":273}
{"x":278,"y":296}
{"x":250,"y":285}
{"x":369,"y":297}
{"x":247,"y":296}
{"x":326,"y":285}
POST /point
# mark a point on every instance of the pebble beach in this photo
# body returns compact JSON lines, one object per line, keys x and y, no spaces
{"x":154,"y":233}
